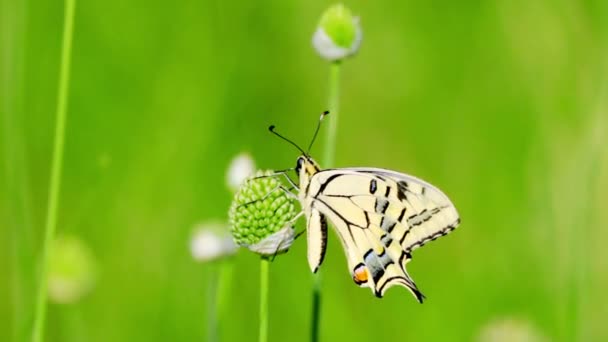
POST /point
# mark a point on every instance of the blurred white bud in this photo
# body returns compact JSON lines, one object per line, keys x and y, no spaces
{"x":338,"y":34}
{"x":211,"y":241}
{"x":510,"y":329}
{"x":241,"y":167}
{"x":72,"y":270}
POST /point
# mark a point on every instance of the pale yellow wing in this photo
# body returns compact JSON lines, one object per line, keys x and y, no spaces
{"x":316,"y":233}
{"x":380,"y":217}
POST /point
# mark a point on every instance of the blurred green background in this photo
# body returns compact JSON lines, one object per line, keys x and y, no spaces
{"x":502,"y":104}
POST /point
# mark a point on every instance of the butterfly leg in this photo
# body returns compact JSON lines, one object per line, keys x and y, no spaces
{"x":287,"y":191}
{"x":293,"y":221}
{"x":291,"y":181}
{"x":280,"y":173}
{"x":289,"y":223}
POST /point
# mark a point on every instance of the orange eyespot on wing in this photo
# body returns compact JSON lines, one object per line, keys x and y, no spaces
{"x":360,"y":274}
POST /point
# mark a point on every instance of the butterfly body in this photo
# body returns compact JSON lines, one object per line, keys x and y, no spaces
{"x":380,"y":216}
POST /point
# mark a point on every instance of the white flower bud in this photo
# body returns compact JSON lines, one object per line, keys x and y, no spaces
{"x":72,"y":270}
{"x":338,"y":34}
{"x":509,"y":329}
{"x":241,"y":167}
{"x":211,"y":241}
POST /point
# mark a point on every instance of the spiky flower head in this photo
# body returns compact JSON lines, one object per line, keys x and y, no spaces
{"x":338,"y":34}
{"x":261,"y":215}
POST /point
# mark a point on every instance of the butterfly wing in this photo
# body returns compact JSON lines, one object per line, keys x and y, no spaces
{"x":380,"y":217}
{"x":317,"y":238}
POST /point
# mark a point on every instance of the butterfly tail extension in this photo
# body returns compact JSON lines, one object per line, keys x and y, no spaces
{"x":414,"y":290}
{"x":395,"y":272}
{"x":385,"y":262}
{"x":409,"y":282}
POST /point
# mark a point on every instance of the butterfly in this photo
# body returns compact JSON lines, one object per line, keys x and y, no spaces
{"x":380,"y":216}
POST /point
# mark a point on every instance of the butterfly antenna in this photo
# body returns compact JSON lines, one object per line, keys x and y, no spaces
{"x":317,"y":130}
{"x":271,"y":129}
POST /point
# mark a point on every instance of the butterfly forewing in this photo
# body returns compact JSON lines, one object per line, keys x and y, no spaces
{"x":380,"y":217}
{"x":317,"y":238}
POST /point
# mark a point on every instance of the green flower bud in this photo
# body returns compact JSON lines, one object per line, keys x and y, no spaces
{"x":72,"y":270}
{"x":261,"y":215}
{"x":338,"y":34}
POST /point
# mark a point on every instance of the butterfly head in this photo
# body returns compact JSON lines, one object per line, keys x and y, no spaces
{"x":306,"y":167}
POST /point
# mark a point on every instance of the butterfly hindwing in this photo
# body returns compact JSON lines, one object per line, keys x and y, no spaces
{"x":380,"y":217}
{"x":433,"y":213}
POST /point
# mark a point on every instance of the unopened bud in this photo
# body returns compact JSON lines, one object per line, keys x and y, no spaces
{"x":261,"y":215}
{"x":338,"y":34}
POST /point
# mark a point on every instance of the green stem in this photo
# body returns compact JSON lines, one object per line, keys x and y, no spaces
{"x":224,"y":284}
{"x":212,"y":318}
{"x":55,"y":181}
{"x":333,"y":107}
{"x":316,"y":307}
{"x":328,"y":161}
{"x":14,"y":172}
{"x":264,"y":265}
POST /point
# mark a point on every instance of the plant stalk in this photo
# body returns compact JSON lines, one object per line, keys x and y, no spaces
{"x":264,"y":266}
{"x":57,"y":159}
{"x":328,"y":161}
{"x":224,"y":284}
{"x":333,"y":107}
{"x":212,"y":319}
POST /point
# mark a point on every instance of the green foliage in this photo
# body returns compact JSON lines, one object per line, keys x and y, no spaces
{"x":501,"y":104}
